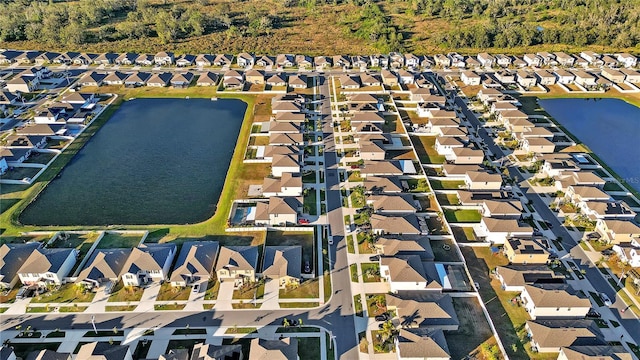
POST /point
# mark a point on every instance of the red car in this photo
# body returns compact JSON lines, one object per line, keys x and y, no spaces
{"x":303,"y":221}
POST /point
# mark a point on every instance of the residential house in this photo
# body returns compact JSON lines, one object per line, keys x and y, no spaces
{"x":547,"y":58}
{"x":245,"y":60}
{"x":385,"y":224}
{"x":159,"y":79}
{"x":9,"y":56}
{"x":46,"y":57}
{"x":298,"y":81}
{"x":203,"y":60}
{"x":497,"y":231}
{"x":289,"y":184}
{"x":195,"y":263}
{"x":279,"y":210}
{"x":486,"y":60}
{"x":369,"y":80}
{"x":581,"y":178}
{"x":554,"y":301}
{"x":457,"y":60}
{"x":396,"y":60}
{"x":204,"y":351}
{"x":177,"y":354}
{"x":503,"y":60}
{"x":147,"y":263}
{"x":104,"y":351}
{"x":550,"y":336}
{"x":232,"y":79}
{"x":555,"y":164}
{"x":12,"y":257}
{"x":467,"y":156}
{"x":283,"y":264}
{"x":164,"y":58}
{"x":181,"y":80}
{"x":519,"y":62}
{"x":126,"y":59}
{"x":341,"y":61}
{"x":505,"y":76}
{"x":513,"y":278}
{"x":594,"y":352}
{"x":482,"y":180}
{"x":442,"y":60}
{"x":538,"y":145}
{"x":470,"y":78}
{"x":613,"y":75}
{"x":411,"y":61}
{"x":593,"y":58}
{"x":105,"y":58}
{"x":382,"y":185}
{"x":392,"y":204}
{"x":525,"y":251}
{"x":533,"y":60}
{"x":360,"y":62}
{"x":627,"y":60}
{"x":580,"y":193}
{"x":304,"y":62}
{"x":525,"y":79}
{"x":471,"y":63}
{"x":607,"y":210}
{"x":25,"y":141}
{"x":631,"y":75}
{"x":387,"y":168}
{"x":285,"y":348}
{"x":237,"y":264}
{"x":285,"y":60}
{"x":406,"y":77}
{"x":322,"y":62}
{"x":408,"y":272}
{"x":564,"y":59}
{"x":392,"y":246}
{"x":115,"y":78}
{"x":207,"y":79}
{"x":92,"y":78}
{"x":47,"y":266}
{"x":222,"y":60}
{"x":22,"y":83}
{"x":433,"y":312}
{"x":277,"y":80}
{"x":14,"y":156}
{"x":609,"y":61}
{"x":421,"y":345}
{"x":185,"y":60}
{"x":145,"y":60}
{"x":349,"y":82}
{"x":444,"y":145}
{"x":545,"y":77}
{"x":137,"y":78}
{"x":628,"y":253}
{"x":27,"y":57}
{"x":615,"y":231}
{"x":584,"y":78}
{"x":265,"y":61}
{"x":45,"y":354}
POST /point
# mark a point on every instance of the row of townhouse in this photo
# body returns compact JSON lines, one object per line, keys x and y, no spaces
{"x":543,"y":77}
{"x":152,"y":79}
{"x":393,"y":60}
{"x":234,"y":79}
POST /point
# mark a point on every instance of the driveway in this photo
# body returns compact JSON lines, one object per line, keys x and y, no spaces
{"x":271,"y":295}
{"x":225,"y":296}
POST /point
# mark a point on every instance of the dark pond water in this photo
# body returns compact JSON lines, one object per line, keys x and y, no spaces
{"x":609,"y":127}
{"x":156,"y":161}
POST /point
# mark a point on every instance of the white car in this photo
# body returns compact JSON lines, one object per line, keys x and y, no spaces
{"x":330,"y":240}
{"x":605,"y":299}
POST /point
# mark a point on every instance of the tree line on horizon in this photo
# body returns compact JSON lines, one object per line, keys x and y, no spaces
{"x":480,"y":24}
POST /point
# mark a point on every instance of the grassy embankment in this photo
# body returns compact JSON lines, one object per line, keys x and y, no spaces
{"x":237,"y":172}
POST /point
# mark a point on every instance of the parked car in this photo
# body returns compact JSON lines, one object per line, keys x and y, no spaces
{"x":330,"y":241}
{"x":607,"y":252}
{"x":374,"y":258}
{"x":25,"y":292}
{"x":303,"y":221}
{"x":307,"y":267}
{"x":382,"y":317}
{"x":593,"y":314}
{"x":605,"y":299}
{"x":195,"y":288}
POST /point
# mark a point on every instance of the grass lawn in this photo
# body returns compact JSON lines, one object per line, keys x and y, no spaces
{"x":9,"y":297}
{"x":120,"y":308}
{"x":213,"y":286}
{"x":473,"y":332}
{"x":125,"y":293}
{"x":67,"y":293}
{"x":425,"y":148}
{"x":309,"y":202}
{"x":380,"y":347}
{"x":446,"y":184}
{"x":357,"y":305}
{"x":508,"y":318}
{"x":246,"y":305}
{"x":350,"y":246}
{"x":72,"y":308}
{"x":364,"y":244}
{"x":462,"y":216}
{"x":418,"y":185}
{"x":112,"y":240}
{"x":309,"y":289}
{"x":309,"y":348}
{"x":169,"y":307}
{"x":370,"y":272}
{"x":376,"y":304}
{"x":247,"y":292}
{"x":448,"y":199}
{"x":241,"y":330}
{"x":353,"y":270}
{"x":39,"y":309}
{"x":357,"y":199}
{"x":288,"y":305}
{"x":168,"y":292}
{"x":81,"y":242}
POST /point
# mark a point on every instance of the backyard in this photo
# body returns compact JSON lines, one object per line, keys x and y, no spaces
{"x":462,"y":216}
{"x":112,"y":240}
{"x":308,"y":289}
{"x":425,"y":148}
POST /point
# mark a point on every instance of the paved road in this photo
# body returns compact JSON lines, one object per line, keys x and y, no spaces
{"x":599,"y":283}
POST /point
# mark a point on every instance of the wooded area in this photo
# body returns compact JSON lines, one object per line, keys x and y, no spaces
{"x":320,"y":27}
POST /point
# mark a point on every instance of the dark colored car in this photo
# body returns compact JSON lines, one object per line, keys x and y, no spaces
{"x":374,"y":258}
{"x":382,"y":317}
